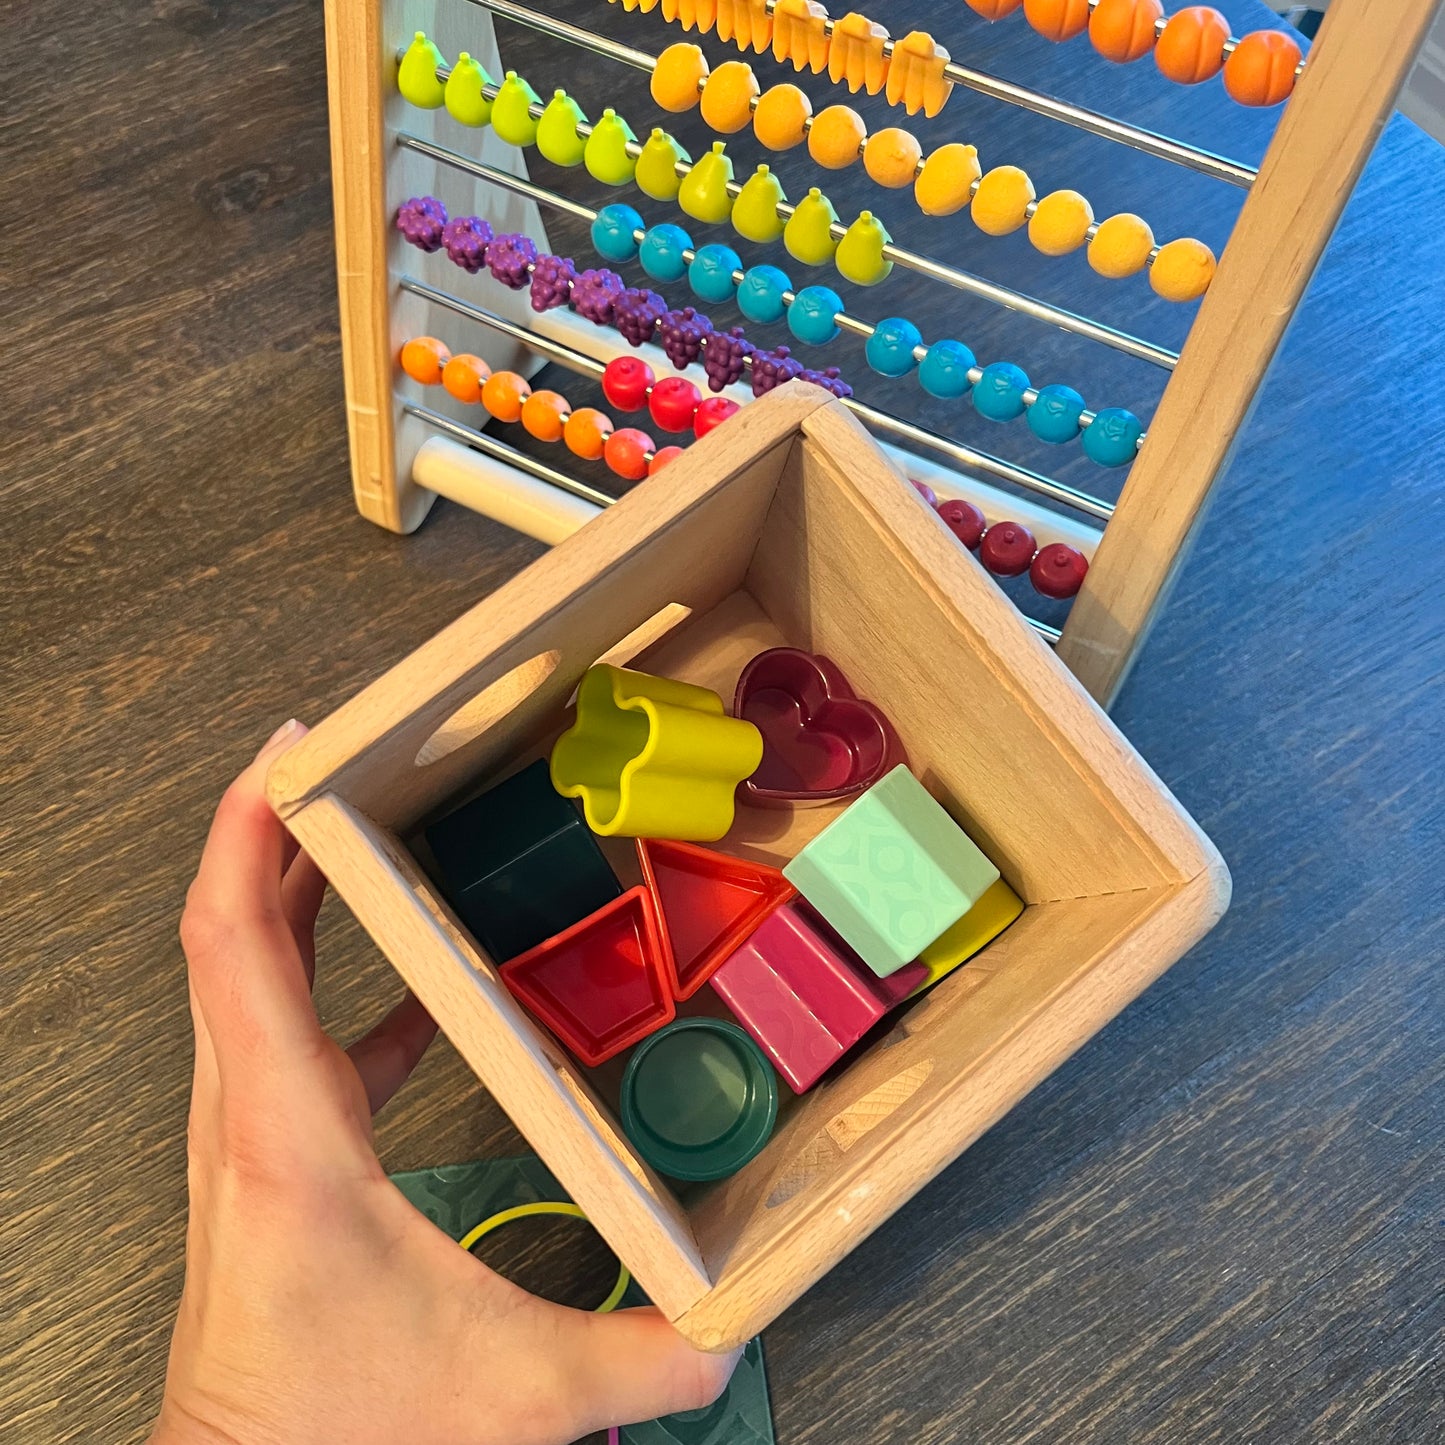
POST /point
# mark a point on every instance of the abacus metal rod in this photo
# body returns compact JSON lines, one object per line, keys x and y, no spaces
{"x":960,"y":280}
{"x":1195,"y":158}
{"x":503,"y":453}
{"x":882,"y":421}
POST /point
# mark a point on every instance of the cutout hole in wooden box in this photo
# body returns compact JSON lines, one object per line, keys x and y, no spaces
{"x":786,"y":525}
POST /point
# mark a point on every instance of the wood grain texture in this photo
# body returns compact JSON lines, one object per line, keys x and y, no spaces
{"x":1219,"y":1222}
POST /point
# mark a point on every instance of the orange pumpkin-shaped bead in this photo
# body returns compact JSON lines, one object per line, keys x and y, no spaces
{"x":423,"y":357}
{"x":503,"y":393}
{"x":1057,"y":19}
{"x":463,"y":376}
{"x":994,"y":9}
{"x":544,"y":414}
{"x":1260,"y":70}
{"x":1123,"y":30}
{"x":1191,"y":46}
{"x":586,"y":432}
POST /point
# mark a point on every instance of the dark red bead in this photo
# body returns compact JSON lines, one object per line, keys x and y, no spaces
{"x":1007,"y":549}
{"x":964,"y":520}
{"x":712,"y":412}
{"x":1058,"y":570}
{"x":625,"y":382}
{"x":673,"y":403}
{"x":924,"y":491}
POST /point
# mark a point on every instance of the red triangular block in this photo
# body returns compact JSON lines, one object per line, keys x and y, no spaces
{"x":709,"y":903}
{"x":605,"y":983}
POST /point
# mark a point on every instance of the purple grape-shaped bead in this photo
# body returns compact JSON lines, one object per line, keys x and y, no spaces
{"x":510,"y":258}
{"x":552,"y":278}
{"x":681,"y":335}
{"x":830,"y":379}
{"x":594,"y":293}
{"x":421,"y":220}
{"x":636,"y":314}
{"x":724,"y":354}
{"x":773,"y":368}
{"x":467,"y":239}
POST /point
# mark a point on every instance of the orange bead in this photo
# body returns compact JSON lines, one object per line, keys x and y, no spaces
{"x":994,"y":9}
{"x":423,"y":357}
{"x":836,"y":137}
{"x":628,"y":452}
{"x":503,"y":393}
{"x":1057,"y":19}
{"x":1260,"y":70}
{"x":728,"y":95}
{"x":586,"y":432}
{"x":661,"y":459}
{"x":891,"y":157}
{"x":463,"y":376}
{"x":1191,"y":46}
{"x":544,"y":414}
{"x":781,"y":120}
{"x":1123,"y":30}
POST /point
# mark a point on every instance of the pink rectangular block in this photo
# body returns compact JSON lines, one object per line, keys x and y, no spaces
{"x":803,"y":995}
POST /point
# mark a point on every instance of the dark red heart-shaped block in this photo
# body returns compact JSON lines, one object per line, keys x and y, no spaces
{"x":821,"y":742}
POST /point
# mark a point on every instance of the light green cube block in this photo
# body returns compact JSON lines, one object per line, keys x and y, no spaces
{"x":892,"y":873}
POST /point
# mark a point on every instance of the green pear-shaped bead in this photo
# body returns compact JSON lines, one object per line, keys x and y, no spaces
{"x":416,"y":76}
{"x":809,"y":234}
{"x":606,"y":152}
{"x":557,"y":136}
{"x":703,"y":193}
{"x":755,"y":212}
{"x":657,"y":166}
{"x":860,"y":253}
{"x":512,"y":111}
{"x":465,"y":99}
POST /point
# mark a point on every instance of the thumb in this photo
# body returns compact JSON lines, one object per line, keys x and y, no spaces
{"x":632,"y":1365}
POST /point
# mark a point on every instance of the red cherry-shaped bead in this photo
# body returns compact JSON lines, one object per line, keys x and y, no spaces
{"x":1058,"y":570}
{"x":925,"y":491}
{"x":625,"y":382}
{"x":964,"y":520}
{"x":712,"y":412}
{"x":627,"y":452}
{"x":661,"y":459}
{"x":1007,"y":549}
{"x":673,"y":403}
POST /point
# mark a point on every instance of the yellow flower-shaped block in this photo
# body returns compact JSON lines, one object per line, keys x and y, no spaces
{"x":653,"y":758}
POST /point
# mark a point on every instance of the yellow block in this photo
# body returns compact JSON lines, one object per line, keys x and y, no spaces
{"x":994,"y":911}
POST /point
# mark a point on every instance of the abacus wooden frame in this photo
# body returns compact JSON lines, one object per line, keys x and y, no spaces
{"x":1325,"y":135}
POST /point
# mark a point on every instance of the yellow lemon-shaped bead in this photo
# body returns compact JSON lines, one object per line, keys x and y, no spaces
{"x":728,"y":95}
{"x":836,"y":137}
{"x":1060,"y":223}
{"x":891,"y":157}
{"x":1001,"y":202}
{"x":678,"y":76}
{"x":947,"y":177}
{"x":780,"y":121}
{"x":1182,"y":270}
{"x":1121,"y":245}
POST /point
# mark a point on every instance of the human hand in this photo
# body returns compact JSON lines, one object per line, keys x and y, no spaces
{"x":319,"y":1305}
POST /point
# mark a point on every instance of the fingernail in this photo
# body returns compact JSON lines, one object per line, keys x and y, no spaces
{"x":279,"y":736}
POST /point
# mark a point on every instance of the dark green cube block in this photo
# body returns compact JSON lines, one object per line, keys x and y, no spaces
{"x":519,"y":864}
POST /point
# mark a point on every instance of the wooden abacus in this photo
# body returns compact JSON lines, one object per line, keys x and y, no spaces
{"x":389,"y":150}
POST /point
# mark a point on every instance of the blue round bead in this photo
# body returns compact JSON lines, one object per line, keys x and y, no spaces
{"x":760,"y":296}
{"x":1112,"y":437}
{"x":711,"y":273}
{"x":944,"y":371}
{"x":999,"y":394}
{"x":811,"y":316}
{"x":1054,"y":417}
{"x":890,"y":348}
{"x":612,"y":236}
{"x":661,"y":252}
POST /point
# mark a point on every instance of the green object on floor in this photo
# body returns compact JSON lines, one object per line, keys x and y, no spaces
{"x":743,"y":1416}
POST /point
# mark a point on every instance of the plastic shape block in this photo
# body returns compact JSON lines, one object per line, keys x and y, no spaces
{"x":800,"y":992}
{"x":998,"y":907}
{"x":892,"y":873}
{"x":709,"y":904}
{"x":653,"y":758}
{"x":603,"y":984}
{"x":820,"y":741}
{"x":518,"y":864}
{"x":699,"y":1099}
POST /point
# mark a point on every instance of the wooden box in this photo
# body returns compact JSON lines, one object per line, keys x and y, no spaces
{"x":785,"y":525}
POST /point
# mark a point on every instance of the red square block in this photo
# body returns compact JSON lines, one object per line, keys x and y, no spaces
{"x":803,"y":995}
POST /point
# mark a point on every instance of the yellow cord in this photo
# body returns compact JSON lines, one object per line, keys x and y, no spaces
{"x":533,"y":1211}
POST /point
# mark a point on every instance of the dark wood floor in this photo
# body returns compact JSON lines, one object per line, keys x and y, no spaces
{"x":1220,"y":1222}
